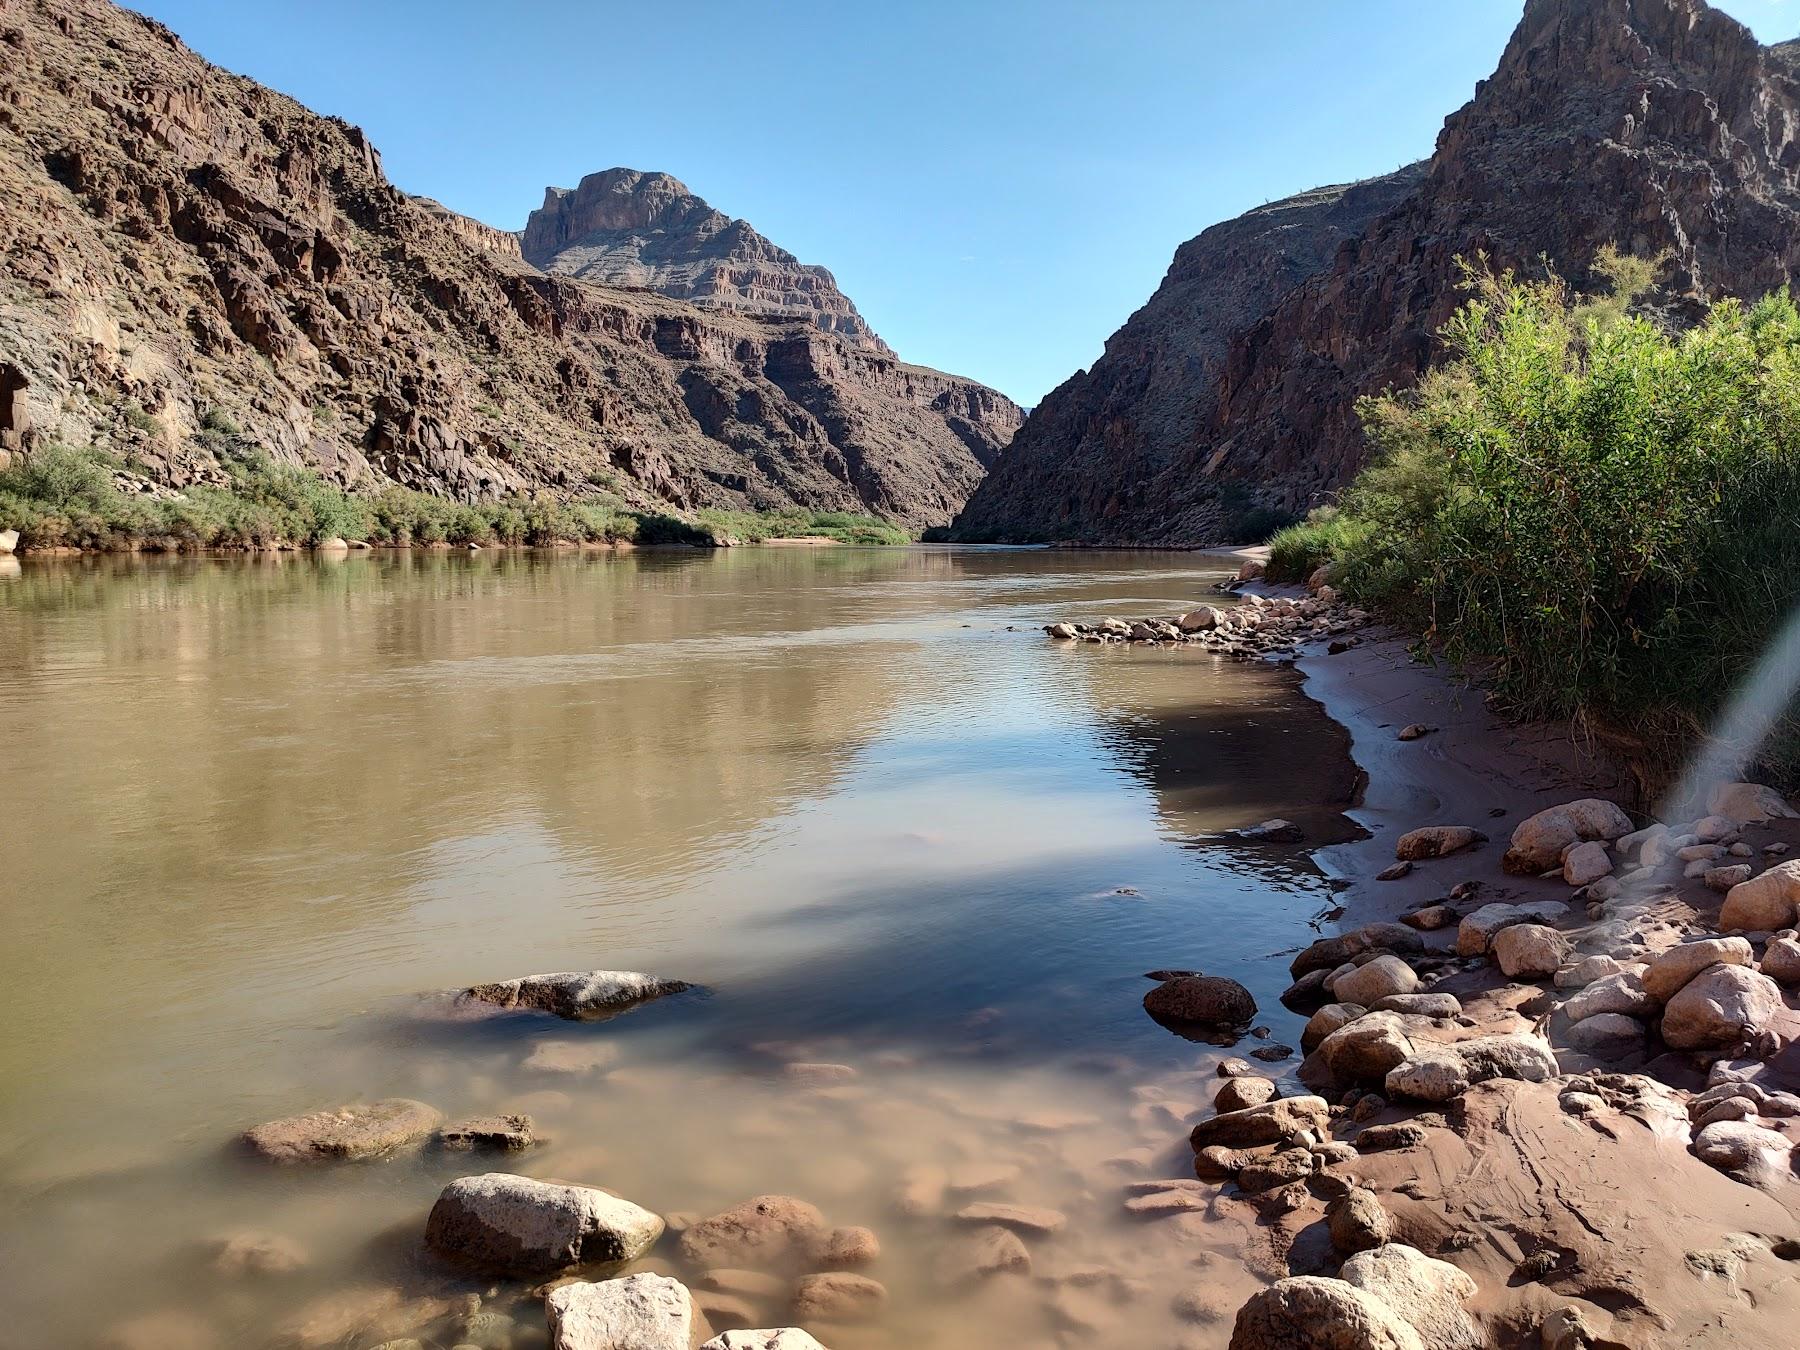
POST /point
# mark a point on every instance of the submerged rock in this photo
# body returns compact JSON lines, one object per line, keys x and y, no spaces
{"x":574,"y":995}
{"x":768,"y":1232}
{"x":506,"y":1133}
{"x":638,"y":1312}
{"x":981,"y":1255}
{"x":513,"y":1224}
{"x":348,"y":1132}
{"x":838,"y":1297}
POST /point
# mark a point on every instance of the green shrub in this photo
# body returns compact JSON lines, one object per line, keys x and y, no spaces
{"x":1599,"y":512}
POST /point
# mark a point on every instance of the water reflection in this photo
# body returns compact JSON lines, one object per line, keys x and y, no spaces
{"x":253,"y":808}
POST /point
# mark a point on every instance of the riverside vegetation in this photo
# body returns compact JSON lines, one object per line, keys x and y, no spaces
{"x":1596,"y":510}
{"x":61,"y":498}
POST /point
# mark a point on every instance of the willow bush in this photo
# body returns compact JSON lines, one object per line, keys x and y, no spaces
{"x":1601,"y":512}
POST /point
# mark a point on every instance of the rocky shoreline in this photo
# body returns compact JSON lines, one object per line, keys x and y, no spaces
{"x":1548,"y":1092}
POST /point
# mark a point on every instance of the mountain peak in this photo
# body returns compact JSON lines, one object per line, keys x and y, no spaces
{"x":647,"y":231}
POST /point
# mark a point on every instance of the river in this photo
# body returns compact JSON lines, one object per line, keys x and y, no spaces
{"x":254,"y":810}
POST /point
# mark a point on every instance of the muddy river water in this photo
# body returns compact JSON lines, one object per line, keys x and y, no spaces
{"x":251,"y":811}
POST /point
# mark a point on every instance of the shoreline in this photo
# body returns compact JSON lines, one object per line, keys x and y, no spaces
{"x":1581,"y":1204}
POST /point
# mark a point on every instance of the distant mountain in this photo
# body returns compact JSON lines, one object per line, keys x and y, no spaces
{"x":1654,"y":124}
{"x":183,"y":251}
{"x":648,"y":232}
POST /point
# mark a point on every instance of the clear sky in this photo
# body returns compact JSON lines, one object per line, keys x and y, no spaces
{"x":997,"y":184}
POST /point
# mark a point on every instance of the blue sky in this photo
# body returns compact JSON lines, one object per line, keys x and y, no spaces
{"x":997,"y":184}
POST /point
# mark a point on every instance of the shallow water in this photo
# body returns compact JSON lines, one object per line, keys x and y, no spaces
{"x":253,"y":810}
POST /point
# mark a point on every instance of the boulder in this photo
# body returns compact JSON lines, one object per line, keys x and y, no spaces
{"x":837,"y":1296}
{"x":1719,"y":1008}
{"x":1722,"y":879}
{"x":1357,"y":1221}
{"x":768,"y":1232}
{"x":1748,"y":803}
{"x":1420,"y":1005}
{"x":1607,"y":1035}
{"x":1781,"y":959}
{"x":1272,"y":1123}
{"x":638,"y":1312}
{"x":1589,"y":969}
{"x":1436,"y":841}
{"x":1198,"y":620}
{"x":1378,"y":979}
{"x":1433,"y":1074}
{"x":1327,"y":1020}
{"x":1586,"y":863}
{"x":1211,"y":1000}
{"x":1623,"y":993}
{"x":1430,"y":919}
{"x":1278,"y":1169}
{"x":515,"y":1225}
{"x":347,"y":1132}
{"x":1428,"y":1294}
{"x":1676,"y":965}
{"x":774,"y":1338}
{"x":1310,"y":1312}
{"x":1329,"y":953}
{"x":575,"y":995}
{"x":1765,"y":903}
{"x":1239,"y":1094}
{"x":1752,"y":1153}
{"x":1538,"y":841}
{"x":1527,"y":1058}
{"x":1476,"y":932}
{"x":980,"y":1255}
{"x":1412,"y":731}
{"x":1529,"y":951}
{"x":1364,"y":1051}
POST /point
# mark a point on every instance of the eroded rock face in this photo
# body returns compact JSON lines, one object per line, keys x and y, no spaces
{"x":190,"y":247}
{"x":1240,"y":377}
{"x":513,"y":1224}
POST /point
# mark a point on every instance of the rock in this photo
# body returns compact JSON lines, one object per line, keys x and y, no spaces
{"x":1273,"y":832}
{"x":838,"y":1297}
{"x":1539,"y":840}
{"x":1420,"y":1005}
{"x":1781,"y":960}
{"x":1430,"y":919}
{"x":1211,"y":1000}
{"x":1357,"y":1221}
{"x":1526,"y":1058}
{"x":981,"y":1255}
{"x":1019,"y":1218}
{"x":1412,"y":731}
{"x":1623,"y":993}
{"x":1674,"y":967}
{"x":1722,"y":879}
{"x":1310,"y":1312}
{"x":1433,"y":1074}
{"x":920,"y":1190}
{"x":849,"y":1249}
{"x":1476,"y":932}
{"x":1199,"y":620}
{"x":1586,"y":863}
{"x":1748,"y":803}
{"x":1752,"y":1153}
{"x":1273,"y":1123}
{"x":1394,"y":872}
{"x":1278,"y":1169}
{"x":508,"y":1134}
{"x":1061,"y":630}
{"x":1764,"y":903}
{"x":754,"y":1285}
{"x":1426,"y":1293}
{"x":1436,"y":841}
{"x":515,"y":1225}
{"x":1329,"y":953}
{"x":1380,"y":978}
{"x":975,"y":1177}
{"x":1364,"y":1050}
{"x":1589,"y":969}
{"x":9,"y":541}
{"x":573,"y":1058}
{"x":1158,"y":1204}
{"x":574,"y":995}
{"x":1529,"y":951}
{"x":171,"y":1329}
{"x":257,"y":1254}
{"x":638,"y":1312}
{"x":723,"y":1311}
{"x":1715,"y":829}
{"x":1607,"y":1035}
{"x":768,"y":1232}
{"x":1238,"y":1094}
{"x":1719,"y":1008}
{"x":1327,"y":1020}
{"x":1251,"y":570}
{"x":348,"y":1132}
{"x":776,"y":1338}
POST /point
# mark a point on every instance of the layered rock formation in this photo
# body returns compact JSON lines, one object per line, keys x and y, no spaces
{"x":191,"y":263}
{"x":1653,"y":124}
{"x":647,"y":231}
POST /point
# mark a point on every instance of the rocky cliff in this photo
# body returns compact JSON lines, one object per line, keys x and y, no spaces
{"x":647,"y":231}
{"x":1654,"y":124}
{"x":187,"y":257}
